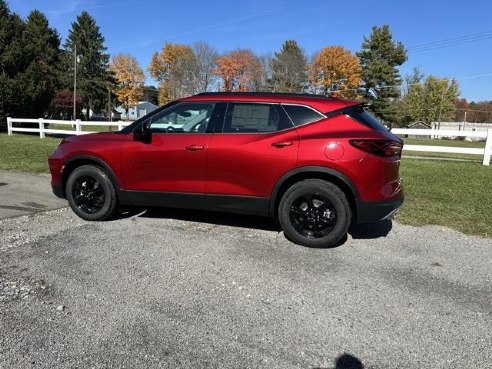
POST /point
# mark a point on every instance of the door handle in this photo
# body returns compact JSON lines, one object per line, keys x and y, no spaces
{"x":282,"y":143}
{"x":194,"y":147}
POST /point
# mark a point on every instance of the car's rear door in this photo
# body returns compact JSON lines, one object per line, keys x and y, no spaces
{"x":258,"y":144}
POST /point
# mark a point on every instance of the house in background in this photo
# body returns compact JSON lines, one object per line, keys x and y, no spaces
{"x":138,"y":111}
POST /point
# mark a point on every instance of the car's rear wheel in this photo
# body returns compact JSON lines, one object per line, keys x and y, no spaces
{"x":314,"y":213}
{"x":91,"y":193}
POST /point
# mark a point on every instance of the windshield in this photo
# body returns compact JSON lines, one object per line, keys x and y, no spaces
{"x":131,"y":127}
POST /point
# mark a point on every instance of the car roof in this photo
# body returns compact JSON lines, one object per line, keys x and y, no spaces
{"x":321,"y":103}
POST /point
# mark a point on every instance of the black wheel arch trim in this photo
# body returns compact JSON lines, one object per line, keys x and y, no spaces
{"x":310,"y":169}
{"x":89,"y":158}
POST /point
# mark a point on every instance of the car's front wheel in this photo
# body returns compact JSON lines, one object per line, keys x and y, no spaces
{"x":91,"y":193}
{"x":314,"y":213}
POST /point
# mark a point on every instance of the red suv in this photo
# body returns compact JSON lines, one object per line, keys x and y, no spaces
{"x":316,"y":164}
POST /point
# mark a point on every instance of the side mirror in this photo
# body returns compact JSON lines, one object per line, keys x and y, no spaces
{"x":143,"y":132}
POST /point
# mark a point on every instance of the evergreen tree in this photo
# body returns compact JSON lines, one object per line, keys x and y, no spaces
{"x":289,"y":68}
{"x":11,"y":62}
{"x":380,"y":58}
{"x":93,"y":76}
{"x":42,"y":56}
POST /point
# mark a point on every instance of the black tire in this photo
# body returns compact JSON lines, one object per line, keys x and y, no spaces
{"x":91,"y":193}
{"x":314,"y":213}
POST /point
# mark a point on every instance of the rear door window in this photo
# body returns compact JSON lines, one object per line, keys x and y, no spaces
{"x":255,"y":118}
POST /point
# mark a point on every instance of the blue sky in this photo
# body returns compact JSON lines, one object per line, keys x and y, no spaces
{"x":142,"y":27}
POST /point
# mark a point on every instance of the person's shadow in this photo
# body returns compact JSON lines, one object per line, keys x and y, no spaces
{"x":346,"y":361}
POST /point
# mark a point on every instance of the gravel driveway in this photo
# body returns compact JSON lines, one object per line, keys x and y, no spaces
{"x":181,"y":289}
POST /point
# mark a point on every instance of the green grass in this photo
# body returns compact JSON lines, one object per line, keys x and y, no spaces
{"x":26,"y":153}
{"x":67,"y":127}
{"x":450,"y":143}
{"x":451,"y":194}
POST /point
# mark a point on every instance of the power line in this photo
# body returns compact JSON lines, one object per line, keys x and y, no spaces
{"x":450,"y":42}
{"x":413,"y":84}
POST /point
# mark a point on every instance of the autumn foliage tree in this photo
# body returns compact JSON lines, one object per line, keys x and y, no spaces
{"x":240,"y":70}
{"x":129,"y":80}
{"x":174,"y":68}
{"x":336,"y":70}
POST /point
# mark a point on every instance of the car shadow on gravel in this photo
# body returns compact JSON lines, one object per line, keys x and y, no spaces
{"x":369,"y":231}
{"x":216,"y":218}
{"x":360,"y":231}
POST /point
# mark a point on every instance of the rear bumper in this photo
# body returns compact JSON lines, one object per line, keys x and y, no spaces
{"x":374,"y":211}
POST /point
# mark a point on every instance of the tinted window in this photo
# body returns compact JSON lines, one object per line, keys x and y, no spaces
{"x":183,"y":118}
{"x":253,"y":118}
{"x":302,"y":115}
{"x":362,"y":116}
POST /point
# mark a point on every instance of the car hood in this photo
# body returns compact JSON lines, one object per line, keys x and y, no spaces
{"x":102,"y":136}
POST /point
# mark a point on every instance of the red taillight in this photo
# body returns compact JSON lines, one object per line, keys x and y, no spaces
{"x":385,"y":148}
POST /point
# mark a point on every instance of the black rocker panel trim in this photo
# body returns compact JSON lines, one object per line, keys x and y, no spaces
{"x":230,"y":204}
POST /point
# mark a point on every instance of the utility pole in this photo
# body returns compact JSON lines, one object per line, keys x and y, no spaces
{"x":440,"y":106}
{"x":75,"y":84}
{"x":109,"y":106}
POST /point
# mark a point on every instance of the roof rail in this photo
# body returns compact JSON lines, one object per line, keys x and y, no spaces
{"x":284,"y":94}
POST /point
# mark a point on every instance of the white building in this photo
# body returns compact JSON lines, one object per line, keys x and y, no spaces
{"x":138,"y":111}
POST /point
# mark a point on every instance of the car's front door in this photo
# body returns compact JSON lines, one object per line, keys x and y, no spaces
{"x":174,"y":161}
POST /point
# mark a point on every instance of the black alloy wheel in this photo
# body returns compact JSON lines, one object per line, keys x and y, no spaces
{"x":314,"y":213}
{"x":88,"y":194}
{"x":91,"y":193}
{"x":313,"y":216}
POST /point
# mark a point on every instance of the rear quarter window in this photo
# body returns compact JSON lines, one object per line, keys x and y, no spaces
{"x":366,"y":118}
{"x":300,"y":115}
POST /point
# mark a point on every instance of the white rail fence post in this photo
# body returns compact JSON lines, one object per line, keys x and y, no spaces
{"x":488,"y":148}
{"x":9,"y":126}
{"x":78,"y":127}
{"x":41,"y":128}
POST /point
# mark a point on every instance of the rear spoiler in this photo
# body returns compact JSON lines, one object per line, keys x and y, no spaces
{"x":346,"y":109}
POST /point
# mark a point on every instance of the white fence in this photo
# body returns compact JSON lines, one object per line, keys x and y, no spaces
{"x":73,"y":127}
{"x":486,"y":152}
{"x":76,"y":129}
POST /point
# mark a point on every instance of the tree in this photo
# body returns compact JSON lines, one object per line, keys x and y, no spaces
{"x":11,"y":28}
{"x":380,"y":58}
{"x":174,"y":68}
{"x":206,"y":60}
{"x":93,"y":76}
{"x":335,"y":70}
{"x":462,"y":113}
{"x":289,"y":68}
{"x":240,"y":70}
{"x":29,"y":54}
{"x":129,"y":80}
{"x":151,"y":94}
{"x":42,"y":54}
{"x":432,"y":100}
{"x":61,"y":106}
{"x":476,"y":112}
